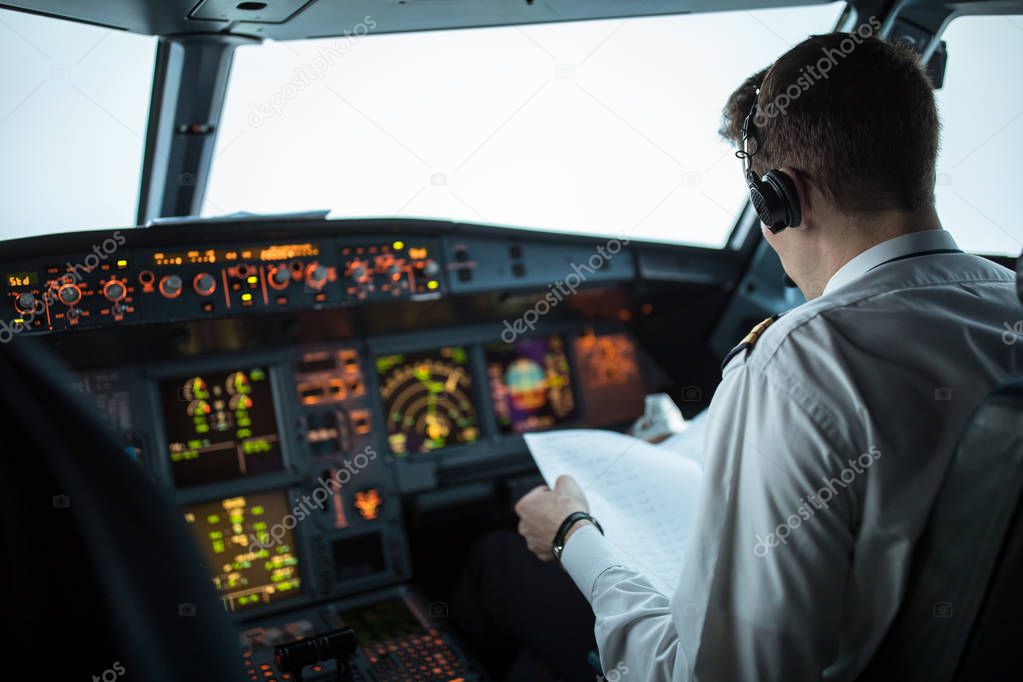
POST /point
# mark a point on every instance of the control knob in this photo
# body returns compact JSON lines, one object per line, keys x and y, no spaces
{"x":279,"y":277}
{"x":26,"y":302}
{"x":170,"y":286}
{"x":316,"y":276}
{"x":69,"y":294}
{"x":204,"y":284}
{"x":114,"y":291}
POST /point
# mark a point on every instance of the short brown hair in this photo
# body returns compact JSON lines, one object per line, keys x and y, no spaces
{"x":865,"y":130}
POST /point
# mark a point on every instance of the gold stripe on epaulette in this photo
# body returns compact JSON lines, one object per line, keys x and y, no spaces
{"x":755,"y":333}
{"x":749,"y":340}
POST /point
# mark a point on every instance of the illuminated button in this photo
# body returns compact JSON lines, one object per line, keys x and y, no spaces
{"x":69,"y":294}
{"x":114,"y":290}
{"x":368,"y":503}
{"x":170,"y":286}
{"x":204,"y":283}
{"x":26,"y":301}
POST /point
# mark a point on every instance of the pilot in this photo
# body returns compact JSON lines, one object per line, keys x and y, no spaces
{"x":833,"y":424}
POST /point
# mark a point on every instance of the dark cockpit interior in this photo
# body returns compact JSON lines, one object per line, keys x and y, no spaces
{"x":253,"y":429}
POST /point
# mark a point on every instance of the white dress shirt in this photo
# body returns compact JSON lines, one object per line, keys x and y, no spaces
{"x":825,"y":445}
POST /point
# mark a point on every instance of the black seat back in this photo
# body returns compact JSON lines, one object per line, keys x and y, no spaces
{"x":960,"y":617}
{"x":101,"y":576}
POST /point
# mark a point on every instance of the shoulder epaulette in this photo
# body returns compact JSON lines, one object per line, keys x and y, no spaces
{"x":750,"y":339}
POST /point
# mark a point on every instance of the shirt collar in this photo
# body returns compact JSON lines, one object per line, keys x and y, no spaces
{"x":897,"y":247}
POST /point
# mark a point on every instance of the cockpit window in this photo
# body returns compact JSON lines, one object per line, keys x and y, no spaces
{"x":73,"y":114}
{"x":979,"y":173}
{"x":601,"y":127}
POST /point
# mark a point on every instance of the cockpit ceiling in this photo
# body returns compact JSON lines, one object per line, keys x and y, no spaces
{"x":297,"y":19}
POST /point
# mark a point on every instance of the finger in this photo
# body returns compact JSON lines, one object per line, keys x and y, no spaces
{"x":528,"y":496}
{"x":566,"y":485}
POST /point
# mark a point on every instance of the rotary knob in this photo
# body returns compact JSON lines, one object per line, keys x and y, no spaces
{"x":279,"y":277}
{"x":69,"y":294}
{"x":26,"y":302}
{"x":316,"y":276}
{"x":204,"y":283}
{"x":114,"y":291}
{"x":170,"y":286}
{"x":431,"y":268}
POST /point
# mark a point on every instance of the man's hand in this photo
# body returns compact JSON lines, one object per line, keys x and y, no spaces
{"x":542,"y":510}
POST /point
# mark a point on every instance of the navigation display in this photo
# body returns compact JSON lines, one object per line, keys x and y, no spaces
{"x":427,"y":400}
{"x":220,"y":426}
{"x":247,"y":547}
{"x":530,"y":383}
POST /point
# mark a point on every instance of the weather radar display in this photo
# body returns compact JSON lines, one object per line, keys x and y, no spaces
{"x":530,"y":384}
{"x":428,"y":400}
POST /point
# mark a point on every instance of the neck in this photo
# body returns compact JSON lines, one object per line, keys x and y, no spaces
{"x":842,"y":240}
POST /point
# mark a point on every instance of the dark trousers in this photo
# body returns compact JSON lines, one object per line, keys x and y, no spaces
{"x":508,"y":602}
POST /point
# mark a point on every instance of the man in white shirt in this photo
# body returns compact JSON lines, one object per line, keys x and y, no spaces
{"x":833,"y":425}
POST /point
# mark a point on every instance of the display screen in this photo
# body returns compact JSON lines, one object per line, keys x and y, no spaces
{"x":220,"y":426}
{"x":383,"y":623}
{"x":248,"y":548}
{"x":273,"y":252}
{"x":609,"y":377}
{"x":530,"y":383}
{"x":427,"y":400}
{"x":22,"y":279}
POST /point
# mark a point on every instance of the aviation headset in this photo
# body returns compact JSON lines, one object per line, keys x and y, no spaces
{"x":774,"y":196}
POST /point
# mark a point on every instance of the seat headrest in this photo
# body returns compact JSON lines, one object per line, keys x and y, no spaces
{"x":1019,"y":277}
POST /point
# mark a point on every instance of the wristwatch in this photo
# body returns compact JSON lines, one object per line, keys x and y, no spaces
{"x":558,"y":546}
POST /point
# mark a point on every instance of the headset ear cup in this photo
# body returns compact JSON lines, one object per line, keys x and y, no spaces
{"x":788,"y":211}
{"x":761,"y":202}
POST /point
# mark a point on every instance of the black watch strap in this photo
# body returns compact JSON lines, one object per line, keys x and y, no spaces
{"x":559,"y":538}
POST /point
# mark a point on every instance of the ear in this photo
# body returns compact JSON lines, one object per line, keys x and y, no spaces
{"x":803,"y":190}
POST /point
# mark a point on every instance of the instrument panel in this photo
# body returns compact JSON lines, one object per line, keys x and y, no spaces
{"x":313,"y":452}
{"x":290,"y":466}
{"x":116,"y":284}
{"x":299,"y":461}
